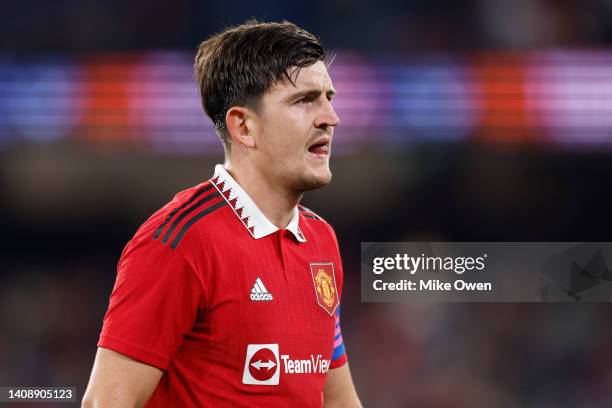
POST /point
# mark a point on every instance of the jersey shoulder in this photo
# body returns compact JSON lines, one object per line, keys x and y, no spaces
{"x":309,"y":214}
{"x":171,"y":223}
{"x":315,"y":221}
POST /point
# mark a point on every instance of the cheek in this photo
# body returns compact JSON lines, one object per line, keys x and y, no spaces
{"x":288,"y":133}
{"x":280,"y":141}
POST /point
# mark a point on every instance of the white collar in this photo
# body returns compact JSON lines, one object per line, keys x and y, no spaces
{"x":247,"y":211}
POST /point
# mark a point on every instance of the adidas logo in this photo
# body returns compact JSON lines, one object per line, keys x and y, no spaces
{"x":259,"y":293}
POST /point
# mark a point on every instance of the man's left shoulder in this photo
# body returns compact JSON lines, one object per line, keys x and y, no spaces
{"x":310,"y":215}
{"x":315,"y":221}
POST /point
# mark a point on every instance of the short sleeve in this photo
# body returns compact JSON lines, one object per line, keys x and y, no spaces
{"x":154,"y":302}
{"x":339,"y":357}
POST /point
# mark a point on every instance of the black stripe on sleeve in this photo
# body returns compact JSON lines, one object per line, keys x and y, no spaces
{"x":193,"y":220}
{"x":181,"y":217}
{"x":308,"y":213}
{"x":198,"y":193}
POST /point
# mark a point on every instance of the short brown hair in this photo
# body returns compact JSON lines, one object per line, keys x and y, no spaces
{"x":237,"y":66}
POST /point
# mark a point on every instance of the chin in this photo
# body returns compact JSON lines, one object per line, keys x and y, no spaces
{"x":312,"y":181}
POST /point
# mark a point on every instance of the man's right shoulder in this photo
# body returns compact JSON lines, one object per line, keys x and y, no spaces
{"x":189,"y":209}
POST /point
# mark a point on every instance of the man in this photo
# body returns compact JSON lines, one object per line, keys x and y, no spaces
{"x":229,"y":295}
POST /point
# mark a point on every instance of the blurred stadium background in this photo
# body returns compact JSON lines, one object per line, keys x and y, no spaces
{"x":480,"y":120}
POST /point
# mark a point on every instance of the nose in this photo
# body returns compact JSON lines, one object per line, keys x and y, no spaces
{"x":327,"y":117}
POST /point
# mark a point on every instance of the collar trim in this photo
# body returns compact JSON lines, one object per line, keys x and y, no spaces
{"x":247,"y":211}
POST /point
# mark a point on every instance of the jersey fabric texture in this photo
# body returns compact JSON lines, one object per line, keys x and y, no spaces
{"x":236,"y":312}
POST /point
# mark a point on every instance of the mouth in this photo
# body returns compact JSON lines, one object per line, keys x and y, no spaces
{"x":321,"y":147}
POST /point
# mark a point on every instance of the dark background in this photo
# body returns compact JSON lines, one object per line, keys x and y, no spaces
{"x":461,"y":121}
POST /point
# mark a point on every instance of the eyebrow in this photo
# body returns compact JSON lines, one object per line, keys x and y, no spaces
{"x":311,"y":92}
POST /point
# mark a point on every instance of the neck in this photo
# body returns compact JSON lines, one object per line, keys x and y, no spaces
{"x":276,"y":202}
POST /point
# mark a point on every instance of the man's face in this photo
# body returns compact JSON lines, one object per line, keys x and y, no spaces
{"x":295,"y":130}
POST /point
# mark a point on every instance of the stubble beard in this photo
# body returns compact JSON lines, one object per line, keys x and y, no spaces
{"x":307,"y":182}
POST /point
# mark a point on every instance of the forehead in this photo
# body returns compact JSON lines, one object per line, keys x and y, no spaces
{"x":314,"y":77}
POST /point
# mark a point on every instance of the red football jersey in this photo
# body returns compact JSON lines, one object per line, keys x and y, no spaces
{"x":237,"y":312}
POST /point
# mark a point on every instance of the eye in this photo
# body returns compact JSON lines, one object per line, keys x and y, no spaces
{"x":305,"y":99}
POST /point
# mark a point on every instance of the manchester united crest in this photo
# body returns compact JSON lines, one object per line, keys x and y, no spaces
{"x":325,"y":286}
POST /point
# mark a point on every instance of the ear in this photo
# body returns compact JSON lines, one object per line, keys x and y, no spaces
{"x":240,"y":125}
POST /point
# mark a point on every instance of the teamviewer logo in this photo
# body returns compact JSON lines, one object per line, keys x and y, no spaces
{"x":261,"y":365}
